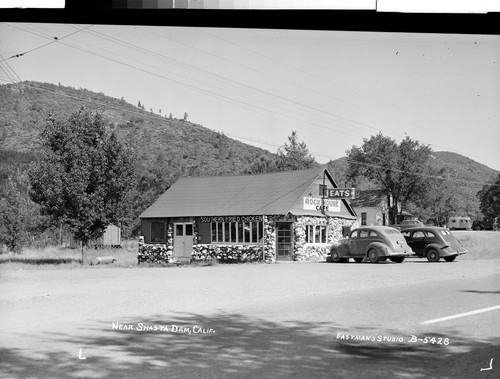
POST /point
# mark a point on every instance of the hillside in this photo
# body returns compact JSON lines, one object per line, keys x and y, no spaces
{"x":187,"y":147}
{"x":167,"y":148}
{"x":464,"y":179}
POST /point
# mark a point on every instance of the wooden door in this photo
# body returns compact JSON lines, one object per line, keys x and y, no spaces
{"x":183,"y":241}
{"x":284,"y":241}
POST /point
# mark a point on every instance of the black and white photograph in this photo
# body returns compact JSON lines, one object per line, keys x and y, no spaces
{"x":312,"y":194}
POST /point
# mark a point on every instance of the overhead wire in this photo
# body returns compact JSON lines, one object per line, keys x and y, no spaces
{"x":323,"y":79}
{"x":183,"y":64}
{"x":294,"y":103}
{"x":161,"y":118}
{"x":227,"y":99}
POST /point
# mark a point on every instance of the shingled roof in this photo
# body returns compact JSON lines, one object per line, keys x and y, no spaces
{"x":257,"y":194}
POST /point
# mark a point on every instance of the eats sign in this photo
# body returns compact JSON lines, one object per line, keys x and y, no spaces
{"x":337,"y":193}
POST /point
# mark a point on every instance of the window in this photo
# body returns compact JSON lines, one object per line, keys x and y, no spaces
{"x":157,"y":232}
{"x":315,"y":233}
{"x":363,"y":233}
{"x":236,"y":232}
{"x":179,"y":230}
{"x":363,"y":218}
{"x":391,"y":231}
{"x":373,"y":234}
{"x":189,"y":229}
{"x":418,"y":235}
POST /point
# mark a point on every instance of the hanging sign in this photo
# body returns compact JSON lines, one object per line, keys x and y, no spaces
{"x":337,"y":193}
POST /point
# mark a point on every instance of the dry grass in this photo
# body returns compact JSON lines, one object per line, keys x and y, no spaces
{"x":481,"y":244}
{"x":58,"y":256}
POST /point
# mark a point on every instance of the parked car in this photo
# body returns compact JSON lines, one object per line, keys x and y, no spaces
{"x":375,"y":243}
{"x":408,"y":224}
{"x":433,"y":243}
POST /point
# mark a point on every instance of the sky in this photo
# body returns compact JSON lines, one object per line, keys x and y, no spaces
{"x":333,"y":88}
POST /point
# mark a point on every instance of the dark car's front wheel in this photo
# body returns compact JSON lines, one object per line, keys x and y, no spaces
{"x":432,"y":255}
{"x":373,"y":256}
{"x":334,"y":256}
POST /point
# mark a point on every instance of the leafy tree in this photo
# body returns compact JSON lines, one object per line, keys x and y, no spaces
{"x":83,"y":176}
{"x":396,"y":168}
{"x":13,"y":218}
{"x":294,"y":155}
{"x":262,"y":164}
{"x":489,"y":198}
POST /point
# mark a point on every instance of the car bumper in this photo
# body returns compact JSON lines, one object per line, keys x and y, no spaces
{"x":445,"y":253}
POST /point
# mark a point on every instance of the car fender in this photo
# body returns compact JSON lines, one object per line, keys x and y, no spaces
{"x":341,"y":248}
{"x":381,"y":248}
{"x":438,"y":248}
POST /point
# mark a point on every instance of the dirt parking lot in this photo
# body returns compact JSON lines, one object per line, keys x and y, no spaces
{"x":52,"y":319}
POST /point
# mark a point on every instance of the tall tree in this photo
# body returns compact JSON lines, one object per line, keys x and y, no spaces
{"x":399,"y":169}
{"x":489,"y":198}
{"x":84,"y":175}
{"x":294,"y":155}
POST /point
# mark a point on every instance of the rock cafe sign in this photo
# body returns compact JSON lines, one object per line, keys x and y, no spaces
{"x":316,"y":203}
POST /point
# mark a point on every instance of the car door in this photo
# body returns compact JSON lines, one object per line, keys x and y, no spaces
{"x":417,"y":242}
{"x":363,"y":241}
{"x":430,"y":237}
{"x":353,"y":243}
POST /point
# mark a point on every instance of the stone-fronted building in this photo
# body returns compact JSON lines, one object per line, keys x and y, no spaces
{"x":245,"y":218}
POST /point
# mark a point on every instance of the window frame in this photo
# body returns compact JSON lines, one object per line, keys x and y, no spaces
{"x":164,"y":230}
{"x":245,"y":232}
{"x":316,"y":234}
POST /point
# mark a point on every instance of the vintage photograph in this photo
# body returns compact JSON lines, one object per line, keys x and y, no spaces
{"x":236,"y":202}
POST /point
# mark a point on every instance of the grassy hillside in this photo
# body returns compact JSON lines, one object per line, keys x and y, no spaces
{"x":185,"y":147}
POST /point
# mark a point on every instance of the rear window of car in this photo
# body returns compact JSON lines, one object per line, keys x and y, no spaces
{"x":373,"y":234}
{"x":391,"y":231}
{"x":418,"y":234}
{"x":363,"y":233}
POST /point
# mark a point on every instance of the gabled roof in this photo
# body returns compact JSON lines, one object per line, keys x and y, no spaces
{"x":257,"y":194}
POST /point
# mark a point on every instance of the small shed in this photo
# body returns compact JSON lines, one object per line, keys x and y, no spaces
{"x":111,"y":238}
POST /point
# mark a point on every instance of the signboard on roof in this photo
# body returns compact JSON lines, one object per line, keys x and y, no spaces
{"x":337,"y":193}
{"x":318,"y":204}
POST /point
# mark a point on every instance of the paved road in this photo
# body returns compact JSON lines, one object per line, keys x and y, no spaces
{"x":284,"y":320}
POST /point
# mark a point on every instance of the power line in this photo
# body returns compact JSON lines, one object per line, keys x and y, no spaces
{"x":56,"y":39}
{"x":156,"y":117}
{"x":232,"y":100}
{"x":323,"y":79}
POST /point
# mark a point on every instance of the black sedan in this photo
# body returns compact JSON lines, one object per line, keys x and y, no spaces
{"x":433,"y":243}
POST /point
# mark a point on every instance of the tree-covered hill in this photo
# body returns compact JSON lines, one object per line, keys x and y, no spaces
{"x":463,"y":179}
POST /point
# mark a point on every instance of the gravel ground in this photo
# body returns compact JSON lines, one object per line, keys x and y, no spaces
{"x":102,"y":292}
{"x":46,"y":316}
